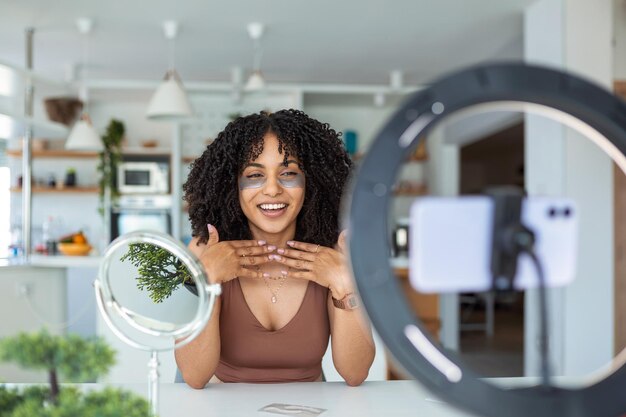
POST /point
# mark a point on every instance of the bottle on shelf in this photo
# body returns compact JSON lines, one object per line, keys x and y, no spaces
{"x":51,"y":181}
{"x":15,"y":247}
{"x":49,"y":235}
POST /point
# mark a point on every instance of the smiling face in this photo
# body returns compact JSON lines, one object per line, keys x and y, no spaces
{"x":271,"y":194}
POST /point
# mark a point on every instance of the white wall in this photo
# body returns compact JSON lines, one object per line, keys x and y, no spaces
{"x":443,"y":180}
{"x":619,"y":46}
{"x":574,"y":35}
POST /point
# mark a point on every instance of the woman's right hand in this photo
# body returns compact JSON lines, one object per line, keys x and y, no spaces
{"x":224,"y":261}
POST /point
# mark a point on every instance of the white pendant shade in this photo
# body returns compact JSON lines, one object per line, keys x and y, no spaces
{"x":84,"y":137}
{"x":255,"y":82}
{"x":169,"y":100}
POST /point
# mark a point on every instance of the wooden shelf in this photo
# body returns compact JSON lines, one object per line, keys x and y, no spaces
{"x":54,"y":153}
{"x":412,"y":158}
{"x":412,"y":191}
{"x":357,"y":157}
{"x":72,"y":190}
{"x":143,"y":150}
{"x":62,"y":153}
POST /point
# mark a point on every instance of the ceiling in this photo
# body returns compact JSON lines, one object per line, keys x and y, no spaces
{"x":323,"y":41}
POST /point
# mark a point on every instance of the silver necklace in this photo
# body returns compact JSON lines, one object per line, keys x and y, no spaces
{"x":274,"y":292}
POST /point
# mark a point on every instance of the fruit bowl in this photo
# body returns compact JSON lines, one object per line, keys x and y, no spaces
{"x":74,"y":249}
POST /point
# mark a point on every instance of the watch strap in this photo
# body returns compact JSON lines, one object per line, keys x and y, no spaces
{"x":349,"y":302}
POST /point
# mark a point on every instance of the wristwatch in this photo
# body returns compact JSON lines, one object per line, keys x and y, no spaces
{"x":349,"y":302}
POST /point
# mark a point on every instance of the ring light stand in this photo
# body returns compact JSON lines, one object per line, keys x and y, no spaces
{"x":576,"y":102}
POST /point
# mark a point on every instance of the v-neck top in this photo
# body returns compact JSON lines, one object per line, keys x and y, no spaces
{"x":251,"y":353}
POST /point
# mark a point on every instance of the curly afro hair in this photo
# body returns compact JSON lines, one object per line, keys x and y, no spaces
{"x":211,"y":188}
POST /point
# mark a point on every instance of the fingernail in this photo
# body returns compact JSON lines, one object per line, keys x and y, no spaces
{"x":271,"y":247}
{"x":290,"y":242}
{"x":266,"y":275}
{"x":275,"y":257}
{"x":261,"y":242}
{"x":281,"y":251}
{"x":282,"y":271}
{"x":209,"y":226}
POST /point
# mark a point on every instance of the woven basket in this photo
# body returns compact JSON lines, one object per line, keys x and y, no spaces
{"x":63,"y":110}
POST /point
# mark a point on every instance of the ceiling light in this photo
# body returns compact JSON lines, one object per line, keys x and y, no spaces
{"x":83,"y":135}
{"x":169,"y":101}
{"x":256,"y":81}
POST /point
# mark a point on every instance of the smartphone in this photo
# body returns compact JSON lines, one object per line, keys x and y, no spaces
{"x":450,"y":241}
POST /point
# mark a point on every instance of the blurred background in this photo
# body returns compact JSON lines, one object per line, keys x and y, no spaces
{"x":349,"y":64}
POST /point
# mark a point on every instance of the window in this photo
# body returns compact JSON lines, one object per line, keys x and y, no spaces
{"x":5,"y":202}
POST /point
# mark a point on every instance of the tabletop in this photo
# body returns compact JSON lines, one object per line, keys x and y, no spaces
{"x":306,"y":399}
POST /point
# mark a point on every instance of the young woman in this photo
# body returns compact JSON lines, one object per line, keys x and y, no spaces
{"x":264,"y":203}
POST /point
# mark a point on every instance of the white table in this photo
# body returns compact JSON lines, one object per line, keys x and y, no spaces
{"x":384,"y":398}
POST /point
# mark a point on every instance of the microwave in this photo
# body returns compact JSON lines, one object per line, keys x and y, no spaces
{"x":143,"y":177}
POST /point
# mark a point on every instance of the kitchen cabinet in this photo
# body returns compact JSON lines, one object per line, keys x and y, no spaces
{"x":426,"y":309}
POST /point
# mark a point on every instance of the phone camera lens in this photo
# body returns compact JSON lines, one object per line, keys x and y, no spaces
{"x":552,"y":212}
{"x":567,"y":212}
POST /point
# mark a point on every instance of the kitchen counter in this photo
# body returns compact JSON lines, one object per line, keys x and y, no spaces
{"x":57,"y":261}
{"x":55,"y":292}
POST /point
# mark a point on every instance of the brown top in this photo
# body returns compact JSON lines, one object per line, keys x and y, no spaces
{"x":251,"y":353}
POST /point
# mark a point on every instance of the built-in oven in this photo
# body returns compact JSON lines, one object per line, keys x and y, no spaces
{"x":141,"y":212}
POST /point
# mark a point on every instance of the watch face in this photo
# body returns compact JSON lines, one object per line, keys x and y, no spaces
{"x":352,"y":302}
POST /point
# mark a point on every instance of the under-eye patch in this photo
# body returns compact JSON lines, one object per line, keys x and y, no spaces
{"x":251,"y":182}
{"x":294,"y":180}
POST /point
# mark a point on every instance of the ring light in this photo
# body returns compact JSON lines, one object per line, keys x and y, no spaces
{"x":578,"y":103}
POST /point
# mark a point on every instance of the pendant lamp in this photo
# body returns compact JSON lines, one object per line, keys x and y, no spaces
{"x":169,"y":101}
{"x":256,"y":81}
{"x":83,"y":135}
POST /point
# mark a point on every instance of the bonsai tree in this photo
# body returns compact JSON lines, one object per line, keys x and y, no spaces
{"x":75,"y":358}
{"x":160,"y":272}
{"x":110,"y":157}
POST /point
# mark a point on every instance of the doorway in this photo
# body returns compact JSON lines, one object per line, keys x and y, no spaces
{"x":492,"y":325}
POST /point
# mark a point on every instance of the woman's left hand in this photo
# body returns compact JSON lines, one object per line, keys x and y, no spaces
{"x":325,"y":266}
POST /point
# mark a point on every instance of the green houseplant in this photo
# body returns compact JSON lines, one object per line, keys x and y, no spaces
{"x":110,"y":157}
{"x":78,"y":360}
{"x":159,"y":272}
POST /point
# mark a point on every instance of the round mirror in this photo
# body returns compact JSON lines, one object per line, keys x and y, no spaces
{"x":539,"y":123}
{"x":142,"y":297}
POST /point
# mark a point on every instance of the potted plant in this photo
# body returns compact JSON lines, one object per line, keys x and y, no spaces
{"x":78,"y":360}
{"x":110,"y":157}
{"x":70,"y":177}
{"x":160,"y":272}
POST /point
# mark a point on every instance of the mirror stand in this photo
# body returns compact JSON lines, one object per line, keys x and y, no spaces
{"x":158,"y":330}
{"x":153,"y":377}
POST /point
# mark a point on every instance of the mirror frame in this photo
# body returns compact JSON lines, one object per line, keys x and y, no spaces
{"x":108,"y":305}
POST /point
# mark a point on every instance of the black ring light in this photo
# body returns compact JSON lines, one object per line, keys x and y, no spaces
{"x":404,"y":335}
